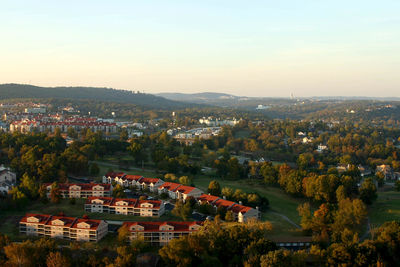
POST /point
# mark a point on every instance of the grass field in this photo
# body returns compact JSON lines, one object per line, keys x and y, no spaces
{"x":279,"y":201}
{"x":385,"y":208}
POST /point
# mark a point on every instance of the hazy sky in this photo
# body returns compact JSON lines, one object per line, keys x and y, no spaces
{"x":257,"y":48}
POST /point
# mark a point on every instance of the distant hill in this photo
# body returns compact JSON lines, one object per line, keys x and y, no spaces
{"x":10,"y":91}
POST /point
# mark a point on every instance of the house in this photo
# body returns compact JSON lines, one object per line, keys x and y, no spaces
{"x":8,"y":179}
{"x":150,"y":183}
{"x":160,"y":233}
{"x":321,"y":148}
{"x":223,"y":204}
{"x":207,"y":199}
{"x":169,"y":188}
{"x":183,"y":192}
{"x":126,"y":206}
{"x":63,"y":227}
{"x":243,"y":213}
{"x":81,"y":190}
{"x":386,"y":170}
{"x":306,"y":140}
{"x":132,"y":180}
{"x":110,"y":177}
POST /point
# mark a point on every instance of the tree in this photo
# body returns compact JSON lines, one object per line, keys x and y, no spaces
{"x":29,"y":186}
{"x":397,"y":185}
{"x":227,"y":192}
{"x":229,"y":216}
{"x":56,"y":259}
{"x":55,"y":194}
{"x":214,"y":188}
{"x":123,"y":234}
{"x":183,"y":210}
{"x":18,"y":197}
{"x":368,"y":191}
{"x":185,"y":180}
{"x":118,"y":191}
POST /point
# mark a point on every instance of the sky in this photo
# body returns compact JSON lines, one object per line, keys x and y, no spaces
{"x":247,"y":48}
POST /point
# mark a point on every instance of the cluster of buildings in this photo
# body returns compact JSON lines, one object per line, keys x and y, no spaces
{"x":188,"y":137}
{"x":68,"y":228}
{"x":125,"y":206}
{"x":68,"y":190}
{"x":388,"y":172}
{"x":182,"y":192}
{"x":50,"y":123}
{"x":210,"y":121}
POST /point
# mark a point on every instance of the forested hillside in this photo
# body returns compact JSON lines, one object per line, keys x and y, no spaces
{"x":9,"y":91}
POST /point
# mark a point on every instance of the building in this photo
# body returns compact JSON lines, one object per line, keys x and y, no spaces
{"x":8,"y":179}
{"x":321,"y":148}
{"x":150,"y":183}
{"x":110,"y":177}
{"x":63,"y":227}
{"x":387,"y":171}
{"x":168,"y":188}
{"x":82,"y":190}
{"x":160,"y":233}
{"x":243,"y":213}
{"x":126,"y":206}
{"x":137,"y":181}
{"x":184,"y":191}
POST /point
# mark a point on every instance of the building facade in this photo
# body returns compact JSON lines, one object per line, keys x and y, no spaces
{"x":68,"y":190}
{"x":63,"y":227}
{"x":125,"y":206}
{"x":160,"y":233}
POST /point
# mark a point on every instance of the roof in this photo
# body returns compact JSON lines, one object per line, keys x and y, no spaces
{"x":184,"y":189}
{"x":43,"y":218}
{"x":106,"y":200}
{"x":169,"y":186}
{"x":223,"y":203}
{"x":207,"y":198}
{"x":240,"y":208}
{"x":68,"y":221}
{"x":155,"y":226}
{"x":115,"y":174}
{"x":94,"y":224}
{"x":133,"y":177}
{"x":149,"y":180}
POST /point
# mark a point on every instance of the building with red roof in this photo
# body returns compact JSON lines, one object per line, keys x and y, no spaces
{"x":160,"y":233}
{"x":184,"y":191}
{"x":150,"y":183}
{"x":207,"y":198}
{"x":126,"y":206}
{"x":69,"y":190}
{"x":69,"y":228}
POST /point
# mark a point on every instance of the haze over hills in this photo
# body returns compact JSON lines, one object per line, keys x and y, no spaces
{"x":11,"y":91}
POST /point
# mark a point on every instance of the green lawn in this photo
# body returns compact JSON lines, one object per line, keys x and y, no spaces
{"x":385,"y":208}
{"x":279,"y":201}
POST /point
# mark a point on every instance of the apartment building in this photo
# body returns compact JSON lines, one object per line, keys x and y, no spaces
{"x":241,"y":213}
{"x":160,"y":233}
{"x":179,"y":191}
{"x":126,"y":206}
{"x":68,"y":190}
{"x":137,"y":181}
{"x":63,"y":227}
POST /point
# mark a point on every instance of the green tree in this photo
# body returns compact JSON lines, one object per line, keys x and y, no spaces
{"x":118,"y":191}
{"x":55,"y":194}
{"x":368,"y":191}
{"x":214,"y":188}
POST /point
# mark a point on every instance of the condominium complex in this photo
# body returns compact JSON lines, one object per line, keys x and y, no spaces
{"x":160,"y":233}
{"x":82,"y":190}
{"x":68,"y":228}
{"x":126,"y":206}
